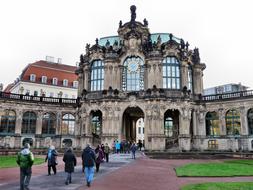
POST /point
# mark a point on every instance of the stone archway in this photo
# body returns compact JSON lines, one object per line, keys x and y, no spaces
{"x":129,"y":120}
{"x":171,"y":128}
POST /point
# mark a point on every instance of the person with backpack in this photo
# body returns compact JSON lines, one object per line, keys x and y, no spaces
{"x":25,"y":161}
{"x":88,"y":159}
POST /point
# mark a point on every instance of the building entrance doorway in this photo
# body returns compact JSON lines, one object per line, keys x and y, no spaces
{"x":171,"y":128}
{"x":133,"y":125}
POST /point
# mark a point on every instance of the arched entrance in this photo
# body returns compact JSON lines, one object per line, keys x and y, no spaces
{"x":171,"y":128}
{"x":130,"y":127}
{"x":96,"y":126}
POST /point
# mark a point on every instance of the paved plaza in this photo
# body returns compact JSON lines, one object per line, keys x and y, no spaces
{"x":121,"y":172}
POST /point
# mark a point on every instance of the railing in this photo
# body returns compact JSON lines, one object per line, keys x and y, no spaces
{"x":21,"y":97}
{"x":227,"y":96}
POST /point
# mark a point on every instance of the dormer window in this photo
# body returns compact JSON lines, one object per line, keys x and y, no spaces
{"x":65,"y":82}
{"x":44,"y":79}
{"x":32,"y":77}
{"x":55,"y":81}
{"x":75,"y":84}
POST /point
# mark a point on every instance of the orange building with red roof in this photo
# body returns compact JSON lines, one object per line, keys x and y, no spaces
{"x":47,"y":78}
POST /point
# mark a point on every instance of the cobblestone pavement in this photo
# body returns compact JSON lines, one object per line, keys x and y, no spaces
{"x":9,"y":178}
{"x":121,"y":172}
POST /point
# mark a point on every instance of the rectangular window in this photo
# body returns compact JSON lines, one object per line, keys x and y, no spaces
{"x":32,"y":77}
{"x":75,"y":84}
{"x":35,"y":93}
{"x":139,"y":130}
{"x":44,"y":79}
{"x":65,"y":82}
{"x":143,"y":130}
{"x":55,"y":81}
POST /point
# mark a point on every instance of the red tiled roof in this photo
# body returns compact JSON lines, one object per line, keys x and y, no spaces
{"x":8,"y":88}
{"x":50,"y":70}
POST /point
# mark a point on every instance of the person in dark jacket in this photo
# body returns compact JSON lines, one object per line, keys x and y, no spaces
{"x":25,"y":161}
{"x":133,"y":149}
{"x":51,"y":159}
{"x":99,"y":157}
{"x":70,"y":162}
{"x":88,"y":158}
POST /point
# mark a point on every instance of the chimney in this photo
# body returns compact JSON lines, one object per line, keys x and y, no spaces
{"x":59,"y":60}
{"x":49,"y":59}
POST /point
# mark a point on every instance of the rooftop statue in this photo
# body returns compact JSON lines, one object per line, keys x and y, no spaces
{"x":133,"y":14}
{"x":145,"y":22}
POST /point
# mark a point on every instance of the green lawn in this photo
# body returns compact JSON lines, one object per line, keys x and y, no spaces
{"x":212,"y":169}
{"x":10,"y":161}
{"x":220,"y":186}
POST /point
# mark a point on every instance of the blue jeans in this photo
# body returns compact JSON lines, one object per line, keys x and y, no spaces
{"x":89,"y":173}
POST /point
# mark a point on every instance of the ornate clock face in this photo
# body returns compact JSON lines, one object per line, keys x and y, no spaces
{"x":133,"y":65}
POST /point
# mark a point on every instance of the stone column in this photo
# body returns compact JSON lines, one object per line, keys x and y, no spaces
{"x":80,"y":83}
{"x":86,"y":78}
{"x":222,"y":118}
{"x":194,"y":123}
{"x":198,"y":78}
{"x":39,"y":123}
{"x":184,"y":130}
{"x":58,"y":123}
{"x":244,"y":121}
{"x":107,"y":75}
{"x":184,"y":75}
{"x":19,"y":118}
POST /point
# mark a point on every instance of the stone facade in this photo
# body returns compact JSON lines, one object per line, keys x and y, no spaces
{"x":138,"y":75}
{"x":38,"y":139}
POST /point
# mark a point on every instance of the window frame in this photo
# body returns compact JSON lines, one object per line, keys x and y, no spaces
{"x":65,"y":82}
{"x":55,"y":81}
{"x":133,"y":80}
{"x":32,"y":77}
{"x":44,"y":79}
{"x":97,"y":75}
{"x":171,"y":69}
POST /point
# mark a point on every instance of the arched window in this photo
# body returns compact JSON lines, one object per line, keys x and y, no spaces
{"x":97,"y":76}
{"x":8,"y":121}
{"x":48,"y":123}
{"x":250,"y":121}
{"x":68,"y":124}
{"x":96,"y":122}
{"x":171,"y":73}
{"x":212,"y":124}
{"x":133,"y":74}
{"x":190,"y":77}
{"x":171,"y":123}
{"x":233,"y":122}
{"x":29,"y":122}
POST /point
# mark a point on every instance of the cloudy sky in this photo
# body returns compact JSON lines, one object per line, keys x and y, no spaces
{"x":222,"y":30}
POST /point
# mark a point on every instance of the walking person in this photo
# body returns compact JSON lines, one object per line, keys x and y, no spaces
{"x":140,"y":145}
{"x":25,"y":161}
{"x":117,"y":146}
{"x":88,"y":159}
{"x":51,"y":159}
{"x":70,"y":163}
{"x":99,"y":157}
{"x":107,"y":151}
{"x":133,"y":149}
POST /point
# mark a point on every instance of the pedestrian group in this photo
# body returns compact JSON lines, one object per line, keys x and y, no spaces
{"x":90,"y":158}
